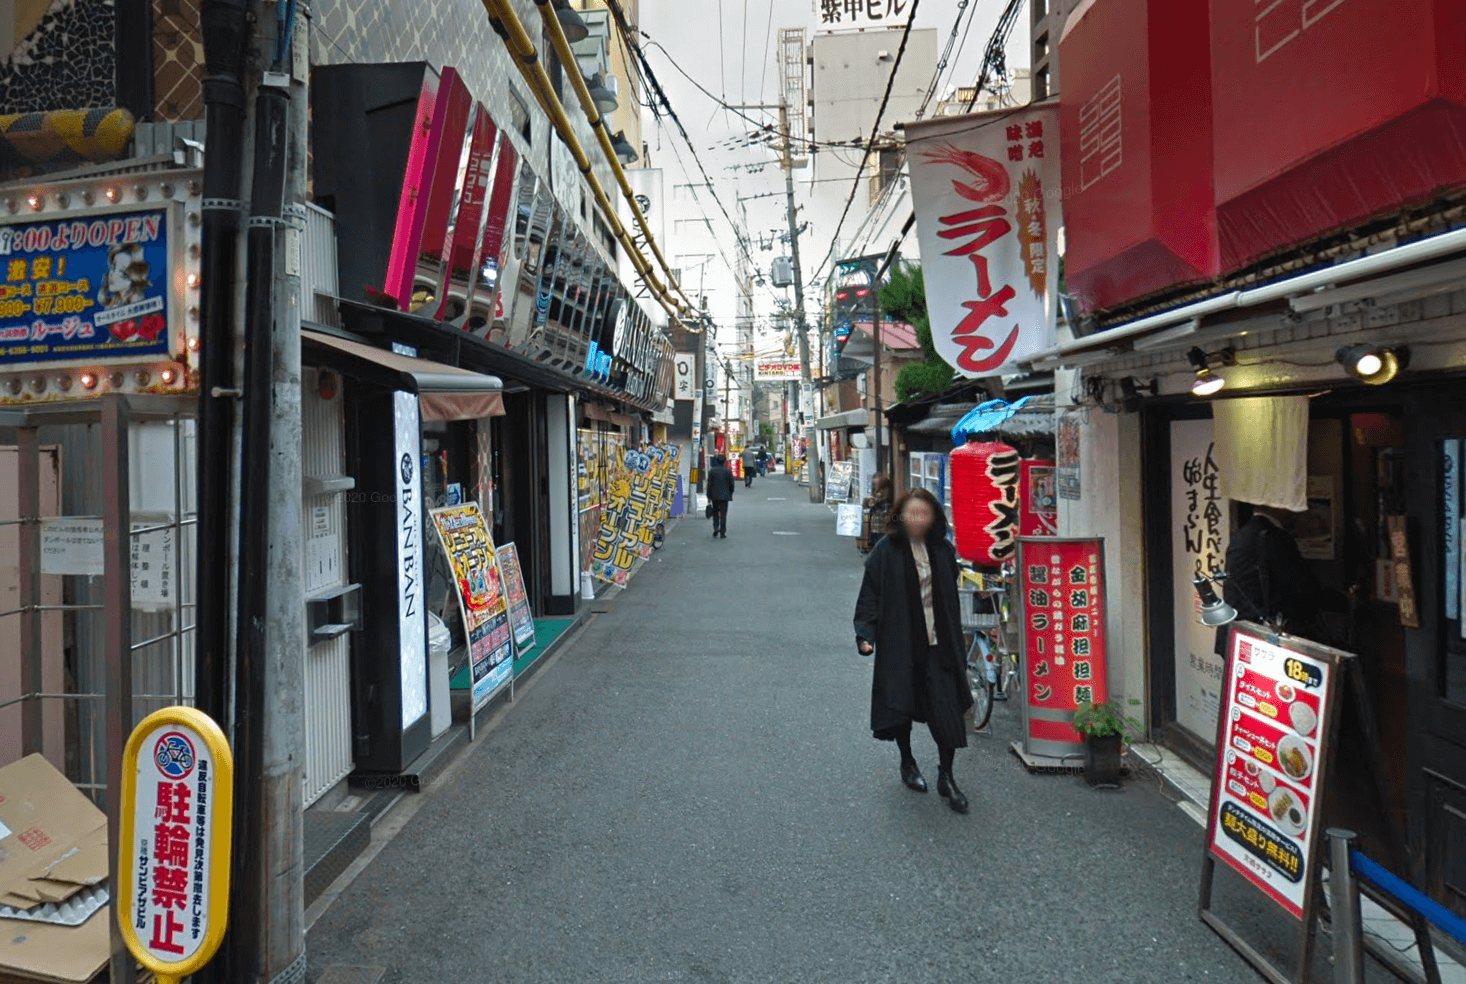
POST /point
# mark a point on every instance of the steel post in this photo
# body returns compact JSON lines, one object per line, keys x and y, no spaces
{"x":1344,"y":906}
{"x":28,"y":453}
{"x":117,"y":614}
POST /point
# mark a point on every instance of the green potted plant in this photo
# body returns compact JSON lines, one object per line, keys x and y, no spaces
{"x":1106,"y":731}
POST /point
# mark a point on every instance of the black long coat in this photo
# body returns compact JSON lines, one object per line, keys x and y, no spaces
{"x":888,"y":614}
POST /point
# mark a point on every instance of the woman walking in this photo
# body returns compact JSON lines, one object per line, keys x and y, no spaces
{"x":908,"y":615}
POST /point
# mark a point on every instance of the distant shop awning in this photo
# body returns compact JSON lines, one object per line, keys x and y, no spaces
{"x":444,"y":392}
{"x":850,"y":418}
{"x":942,"y":417}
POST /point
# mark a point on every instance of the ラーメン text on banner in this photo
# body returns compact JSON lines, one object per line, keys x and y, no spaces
{"x":986,"y":190}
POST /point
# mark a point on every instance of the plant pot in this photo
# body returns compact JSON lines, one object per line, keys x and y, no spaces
{"x":1102,"y":760}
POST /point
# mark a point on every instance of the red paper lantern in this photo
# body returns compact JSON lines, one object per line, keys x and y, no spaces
{"x":985,"y":501}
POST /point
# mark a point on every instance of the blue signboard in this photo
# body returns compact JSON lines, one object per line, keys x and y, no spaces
{"x":85,"y":289}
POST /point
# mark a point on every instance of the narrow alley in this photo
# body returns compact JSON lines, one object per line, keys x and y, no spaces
{"x":690,"y":793}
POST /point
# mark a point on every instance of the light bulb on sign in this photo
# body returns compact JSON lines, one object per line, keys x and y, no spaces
{"x":114,"y":195}
{"x":89,"y":380}
{"x":193,"y":281}
{"x":36,"y":203}
{"x":168,"y":376}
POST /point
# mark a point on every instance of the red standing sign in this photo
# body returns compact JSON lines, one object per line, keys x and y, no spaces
{"x":1062,"y":599}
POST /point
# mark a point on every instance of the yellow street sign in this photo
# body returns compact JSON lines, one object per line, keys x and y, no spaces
{"x":173,"y":854}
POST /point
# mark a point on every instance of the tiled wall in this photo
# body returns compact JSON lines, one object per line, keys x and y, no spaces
{"x":178,"y":61}
{"x":68,"y":62}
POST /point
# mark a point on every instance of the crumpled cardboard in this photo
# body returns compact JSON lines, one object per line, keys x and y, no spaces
{"x":53,"y":843}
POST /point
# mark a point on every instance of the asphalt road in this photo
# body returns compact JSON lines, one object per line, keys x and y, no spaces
{"x":690,"y":793}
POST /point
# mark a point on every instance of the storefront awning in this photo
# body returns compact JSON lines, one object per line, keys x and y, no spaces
{"x":850,"y":418}
{"x":444,"y":392}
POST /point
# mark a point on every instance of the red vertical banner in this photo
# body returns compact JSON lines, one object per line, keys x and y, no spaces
{"x":1065,"y":642}
{"x":426,"y":138}
{"x":1038,"y":500}
{"x":454,"y":106}
{"x":466,"y":231}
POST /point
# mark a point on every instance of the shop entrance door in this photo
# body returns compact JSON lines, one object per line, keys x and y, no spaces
{"x":1437,"y":649}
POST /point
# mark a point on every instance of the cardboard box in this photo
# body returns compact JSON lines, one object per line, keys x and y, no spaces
{"x":53,"y":843}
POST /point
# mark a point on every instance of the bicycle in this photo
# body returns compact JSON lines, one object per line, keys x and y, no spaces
{"x":993,"y":672}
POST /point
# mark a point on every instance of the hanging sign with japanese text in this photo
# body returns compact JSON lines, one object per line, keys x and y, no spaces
{"x":985,"y":188}
{"x":521,"y":616}
{"x":985,"y":478}
{"x":1272,"y":749}
{"x":1062,"y":596}
{"x":173,"y":854}
{"x":481,"y":599}
{"x":87,"y":289}
{"x":785,"y":369}
{"x":1066,"y":472}
{"x":864,"y":13}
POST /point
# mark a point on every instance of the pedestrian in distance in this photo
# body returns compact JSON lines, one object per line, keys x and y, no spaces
{"x":750,"y":465}
{"x":763,"y":462}
{"x":907,"y":615}
{"x":720,"y":493}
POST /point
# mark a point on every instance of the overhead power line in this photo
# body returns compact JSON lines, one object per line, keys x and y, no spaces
{"x":869,"y":144}
{"x":629,"y":36}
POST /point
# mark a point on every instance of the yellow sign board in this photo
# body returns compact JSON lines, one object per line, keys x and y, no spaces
{"x":173,"y":859}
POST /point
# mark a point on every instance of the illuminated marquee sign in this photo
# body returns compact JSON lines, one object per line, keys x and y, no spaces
{"x":99,"y":288}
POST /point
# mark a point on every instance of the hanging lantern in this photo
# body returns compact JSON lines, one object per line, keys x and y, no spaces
{"x":985,"y":501}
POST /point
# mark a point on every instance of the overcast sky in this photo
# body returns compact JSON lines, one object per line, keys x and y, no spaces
{"x":742,"y":70}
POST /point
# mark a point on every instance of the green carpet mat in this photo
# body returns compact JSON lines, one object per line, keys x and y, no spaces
{"x":546,"y":631}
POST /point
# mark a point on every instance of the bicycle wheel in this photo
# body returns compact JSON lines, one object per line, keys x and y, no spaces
{"x":982,"y":692}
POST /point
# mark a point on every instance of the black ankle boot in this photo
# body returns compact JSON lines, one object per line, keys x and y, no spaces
{"x":912,"y":777}
{"x":947,"y":789}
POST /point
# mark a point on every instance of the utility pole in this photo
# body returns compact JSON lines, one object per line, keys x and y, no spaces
{"x":266,"y":936}
{"x":806,"y":402}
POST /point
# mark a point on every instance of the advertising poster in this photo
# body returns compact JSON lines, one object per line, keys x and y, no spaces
{"x":85,"y":289}
{"x":1066,"y":472}
{"x":838,"y":479}
{"x":1038,"y":502}
{"x":1199,"y":537}
{"x":640,"y":497}
{"x":1314,"y":529}
{"x":985,"y":188}
{"x":1063,"y":598}
{"x":521,"y":618}
{"x":481,"y":597}
{"x":1267,"y":795}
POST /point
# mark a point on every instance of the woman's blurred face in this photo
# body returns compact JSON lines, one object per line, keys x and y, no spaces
{"x":917,"y":517}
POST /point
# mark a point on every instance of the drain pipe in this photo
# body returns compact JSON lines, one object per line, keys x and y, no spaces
{"x":225,"y":32}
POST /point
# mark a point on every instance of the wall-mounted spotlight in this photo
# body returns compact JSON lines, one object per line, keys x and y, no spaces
{"x":1207,"y":382}
{"x":1372,"y":364}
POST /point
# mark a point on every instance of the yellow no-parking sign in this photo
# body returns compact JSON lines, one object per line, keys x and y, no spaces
{"x":173,"y":858}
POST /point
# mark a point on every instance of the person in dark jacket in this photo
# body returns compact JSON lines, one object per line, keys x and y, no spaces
{"x":1268,"y":581}
{"x":720,"y":493}
{"x":908,"y":616}
{"x":763,"y":462}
